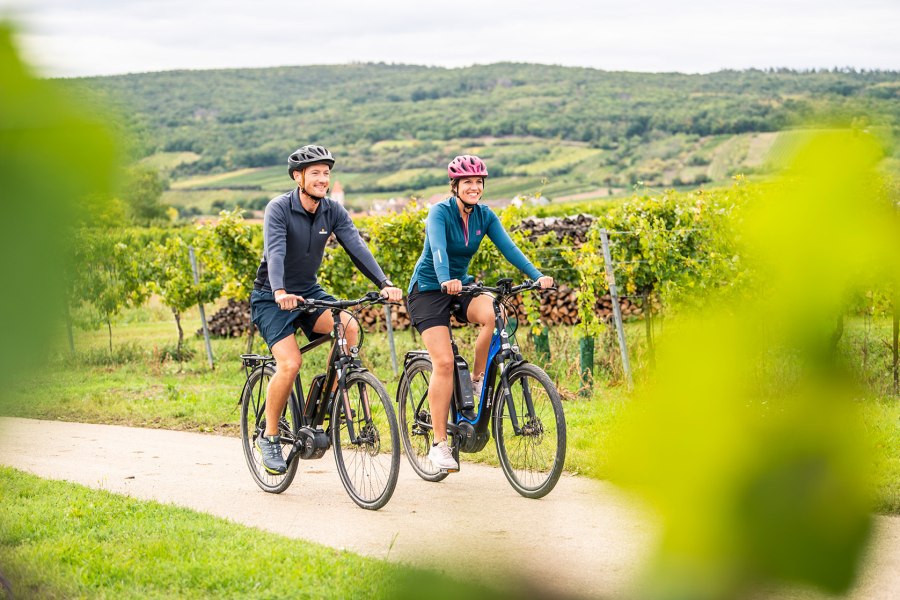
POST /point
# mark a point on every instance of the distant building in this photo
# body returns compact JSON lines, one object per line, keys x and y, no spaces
{"x":337,"y":192}
{"x":382,"y":207}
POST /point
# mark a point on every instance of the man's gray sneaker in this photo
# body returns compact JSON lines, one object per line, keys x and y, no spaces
{"x":270,"y":448}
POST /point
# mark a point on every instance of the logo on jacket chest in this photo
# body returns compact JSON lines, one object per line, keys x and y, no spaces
{"x":323,"y":232}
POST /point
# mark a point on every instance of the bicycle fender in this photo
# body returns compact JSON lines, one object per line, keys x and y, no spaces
{"x":413,"y":355}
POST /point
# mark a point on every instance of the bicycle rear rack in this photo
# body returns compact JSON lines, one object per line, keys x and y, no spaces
{"x":251,"y":361}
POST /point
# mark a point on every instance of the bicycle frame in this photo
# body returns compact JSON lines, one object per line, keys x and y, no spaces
{"x":347,"y":410}
{"x":473,"y":433}
{"x":310,"y":441}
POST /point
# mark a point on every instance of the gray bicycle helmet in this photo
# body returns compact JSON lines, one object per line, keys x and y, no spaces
{"x":309,"y":155}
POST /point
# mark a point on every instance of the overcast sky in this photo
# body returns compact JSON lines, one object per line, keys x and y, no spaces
{"x":102,"y":37}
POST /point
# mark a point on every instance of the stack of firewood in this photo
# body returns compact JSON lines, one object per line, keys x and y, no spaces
{"x":573,"y":228}
{"x":559,"y":307}
{"x":233,"y":320}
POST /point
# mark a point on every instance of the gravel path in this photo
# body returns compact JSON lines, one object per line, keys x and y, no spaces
{"x":586,"y":538}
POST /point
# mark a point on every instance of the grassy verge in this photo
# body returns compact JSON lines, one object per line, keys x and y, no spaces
{"x":60,"y":540}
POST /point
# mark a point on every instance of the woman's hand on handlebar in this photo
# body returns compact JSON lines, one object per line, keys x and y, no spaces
{"x":287,"y":301}
{"x":545,"y":282}
{"x":452,"y":287}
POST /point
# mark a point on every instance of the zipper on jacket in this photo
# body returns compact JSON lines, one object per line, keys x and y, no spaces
{"x":312,"y":226}
{"x":465,"y":228}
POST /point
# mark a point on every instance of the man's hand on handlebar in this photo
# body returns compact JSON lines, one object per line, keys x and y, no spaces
{"x":392,"y":294}
{"x":287,"y":301}
{"x":545,"y":282}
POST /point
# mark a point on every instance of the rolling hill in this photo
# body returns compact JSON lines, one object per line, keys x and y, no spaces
{"x":560,"y":132}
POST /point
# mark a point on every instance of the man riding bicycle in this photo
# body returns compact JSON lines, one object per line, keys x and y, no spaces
{"x":296,"y":227}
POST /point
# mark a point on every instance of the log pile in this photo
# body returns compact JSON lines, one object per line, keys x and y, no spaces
{"x":232,"y":320}
{"x":575,"y":228}
{"x":558,"y":307}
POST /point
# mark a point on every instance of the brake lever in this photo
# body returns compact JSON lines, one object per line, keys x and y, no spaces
{"x":304,"y":307}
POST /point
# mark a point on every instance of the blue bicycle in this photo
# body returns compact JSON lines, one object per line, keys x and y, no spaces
{"x":518,"y":403}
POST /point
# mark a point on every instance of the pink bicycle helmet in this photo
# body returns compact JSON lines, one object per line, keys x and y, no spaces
{"x":466,"y":165}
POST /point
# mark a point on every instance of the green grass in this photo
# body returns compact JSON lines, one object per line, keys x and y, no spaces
{"x":166,"y":161}
{"x":60,"y":540}
{"x":561,"y":158}
{"x":882,"y":422}
{"x":203,"y":199}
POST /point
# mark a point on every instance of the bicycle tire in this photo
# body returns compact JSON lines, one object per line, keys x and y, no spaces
{"x":532,"y":460}
{"x":411,"y":402}
{"x":253,"y":420}
{"x":368,"y":469}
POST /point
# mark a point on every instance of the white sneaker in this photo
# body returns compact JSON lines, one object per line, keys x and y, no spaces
{"x":442,"y":457}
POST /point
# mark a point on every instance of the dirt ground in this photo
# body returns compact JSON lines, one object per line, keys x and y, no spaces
{"x":585,"y":539}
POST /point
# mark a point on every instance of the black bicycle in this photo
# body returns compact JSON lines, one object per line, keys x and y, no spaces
{"x":347,"y":408}
{"x":526,"y":412}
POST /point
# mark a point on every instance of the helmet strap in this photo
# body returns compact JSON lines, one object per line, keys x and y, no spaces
{"x":303,"y":191}
{"x":466,"y":207}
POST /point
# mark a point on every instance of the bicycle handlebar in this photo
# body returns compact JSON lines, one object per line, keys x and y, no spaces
{"x":370,"y":298}
{"x":503,"y":288}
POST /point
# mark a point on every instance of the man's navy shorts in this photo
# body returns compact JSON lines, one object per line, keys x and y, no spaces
{"x":275,"y":324}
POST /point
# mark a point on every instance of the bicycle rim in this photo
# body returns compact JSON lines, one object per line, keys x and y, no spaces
{"x":532,"y":458}
{"x":415,"y":419}
{"x":369,"y":467}
{"x":253,"y":421}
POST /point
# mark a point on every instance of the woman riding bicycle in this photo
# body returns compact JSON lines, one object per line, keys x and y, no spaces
{"x":453,"y":232}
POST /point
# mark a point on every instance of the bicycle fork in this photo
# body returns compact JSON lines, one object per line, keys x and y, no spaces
{"x":510,"y":403}
{"x":349,"y":413}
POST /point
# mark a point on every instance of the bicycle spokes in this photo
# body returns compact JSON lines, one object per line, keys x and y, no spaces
{"x":530,"y":432}
{"x":364,"y":439}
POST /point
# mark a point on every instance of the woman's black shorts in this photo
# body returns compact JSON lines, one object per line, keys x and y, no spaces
{"x":430,"y":309}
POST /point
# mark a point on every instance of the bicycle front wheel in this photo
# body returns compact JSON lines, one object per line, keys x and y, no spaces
{"x":253,"y":421}
{"x":530,"y":431}
{"x":364,"y":436}
{"x":415,"y":419}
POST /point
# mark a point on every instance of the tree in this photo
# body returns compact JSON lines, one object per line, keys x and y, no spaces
{"x":173,"y":278}
{"x":142,"y":190}
{"x":110,"y":273}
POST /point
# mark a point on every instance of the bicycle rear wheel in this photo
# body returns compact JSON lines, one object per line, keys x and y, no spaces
{"x":533,"y":452}
{"x":369,"y":466}
{"x":415,"y":419}
{"x":253,"y":421}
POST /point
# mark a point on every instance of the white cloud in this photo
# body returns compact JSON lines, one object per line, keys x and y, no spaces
{"x":86,"y":37}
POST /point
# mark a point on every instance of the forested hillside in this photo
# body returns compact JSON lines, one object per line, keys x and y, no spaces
{"x":393,"y":126}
